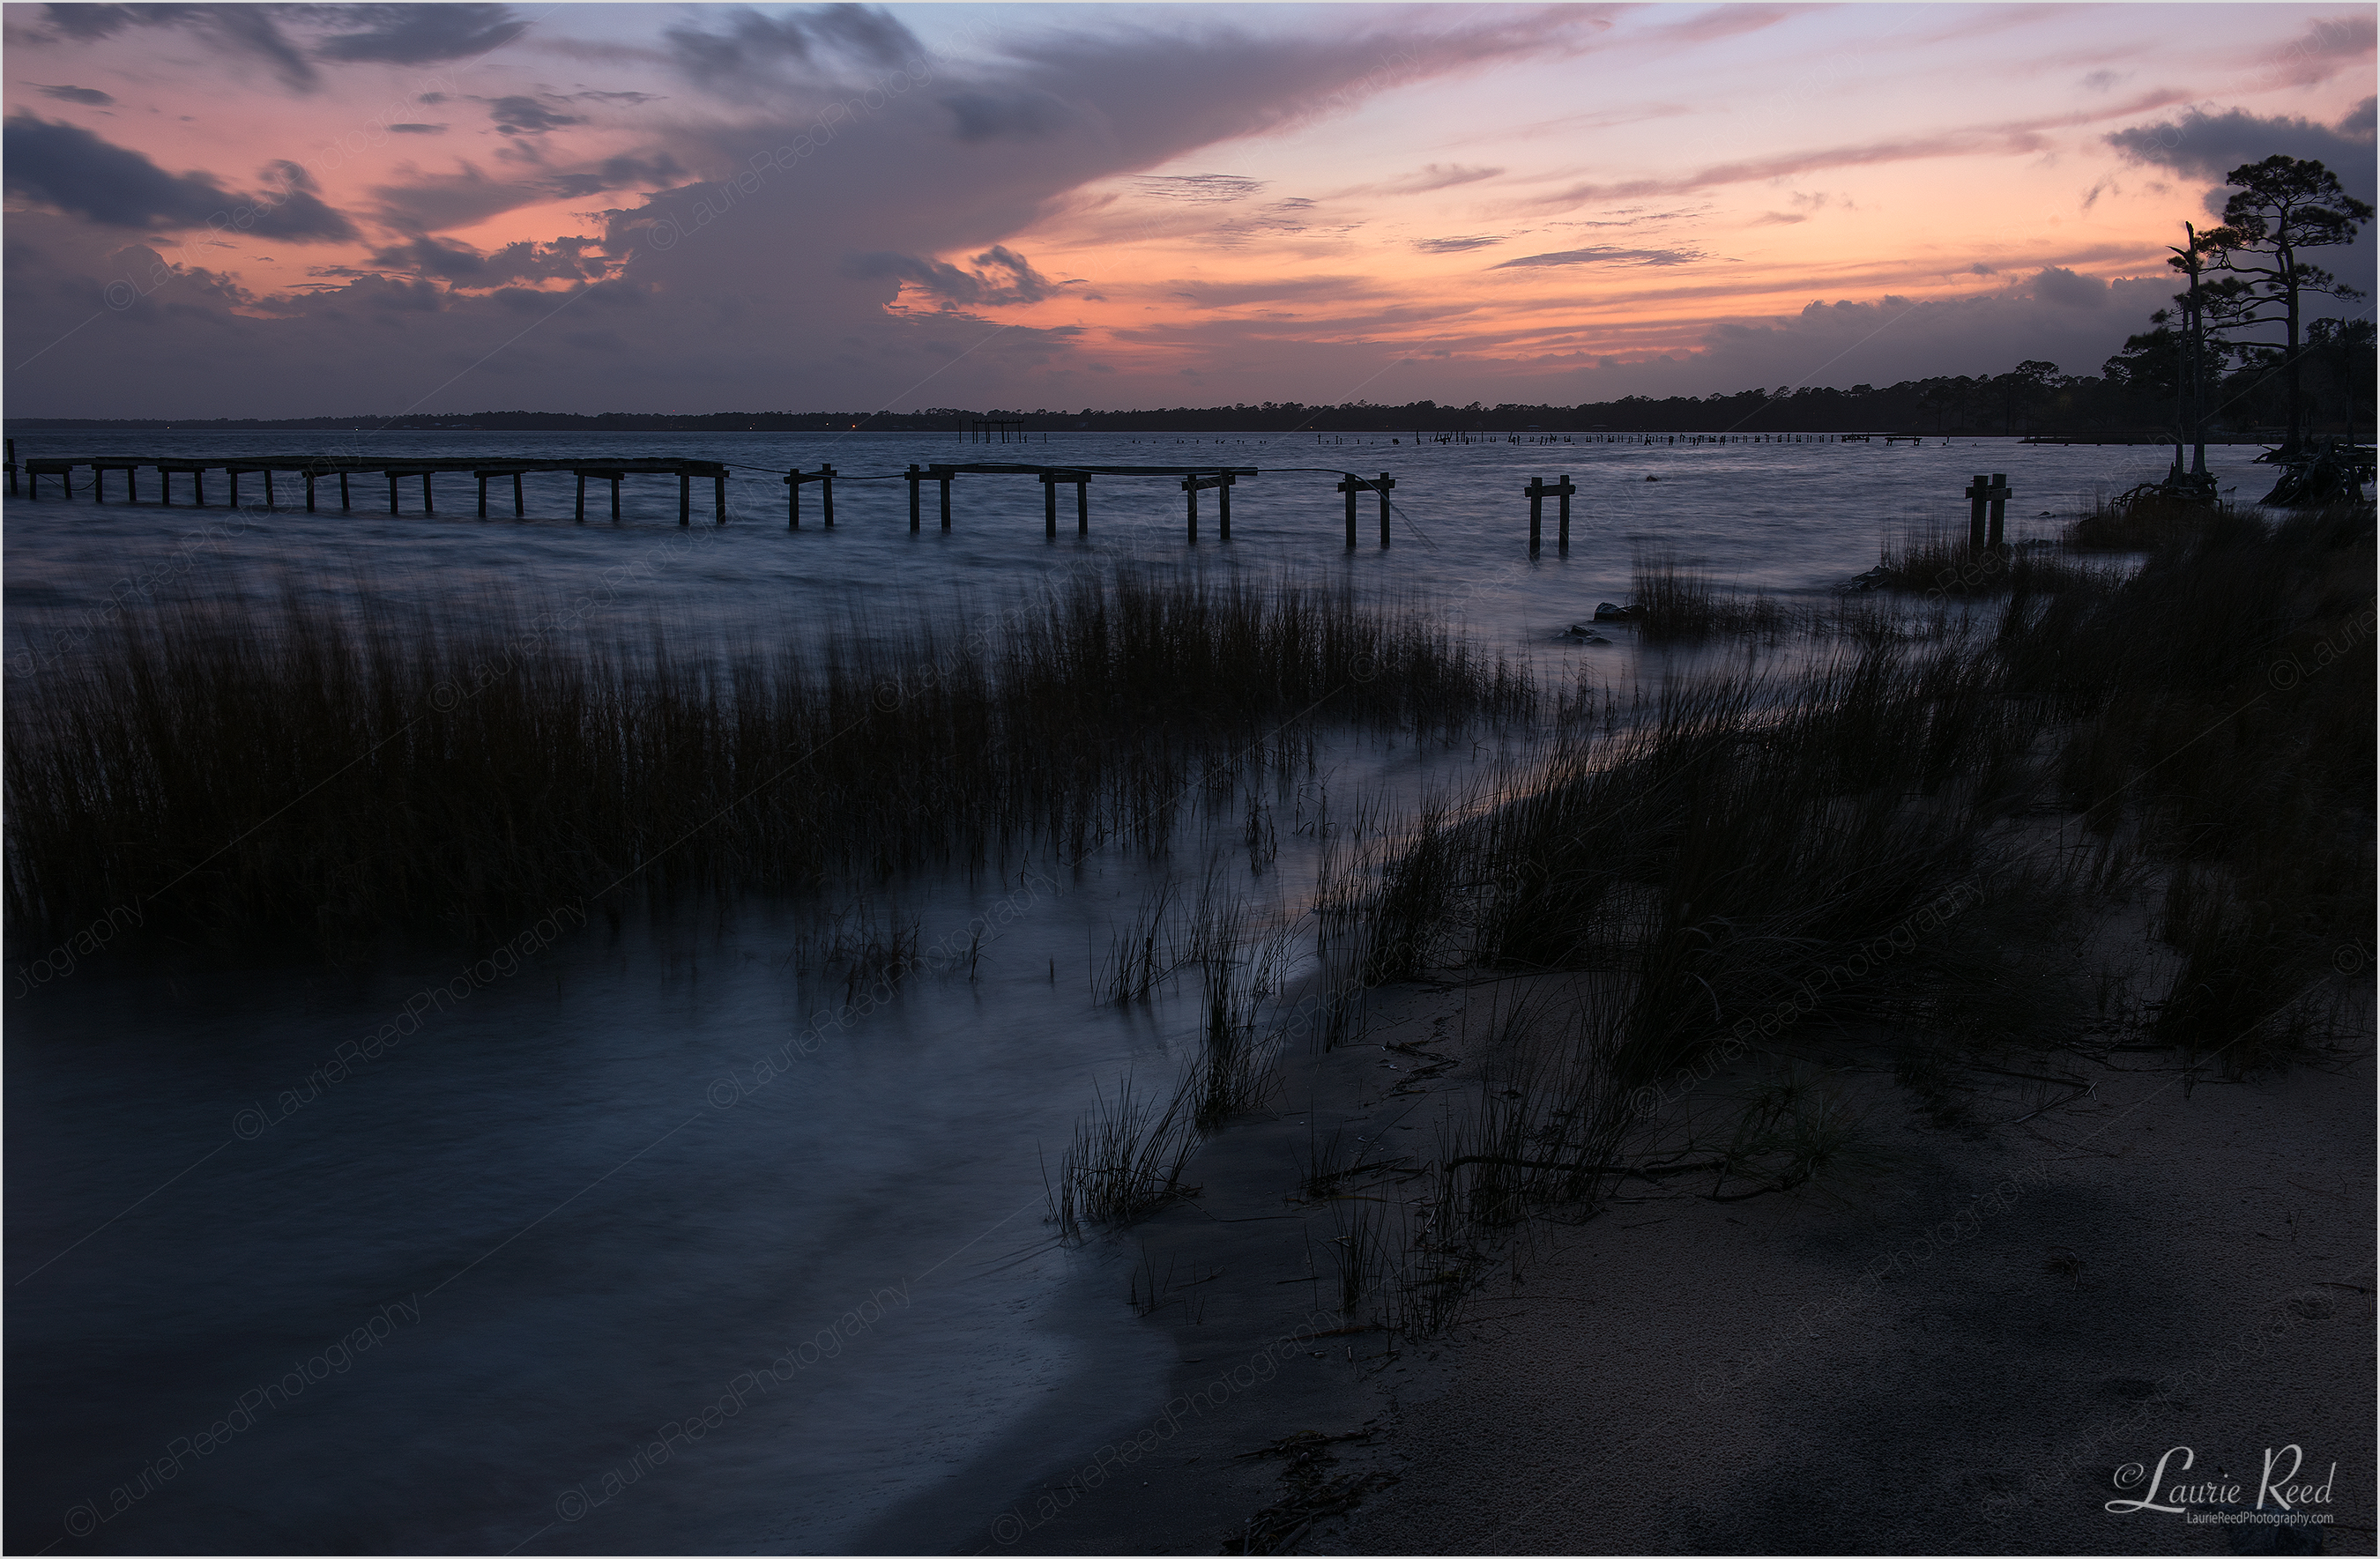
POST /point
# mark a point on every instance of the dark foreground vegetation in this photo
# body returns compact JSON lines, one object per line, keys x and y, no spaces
{"x":228,"y":774}
{"x":1917,"y":843}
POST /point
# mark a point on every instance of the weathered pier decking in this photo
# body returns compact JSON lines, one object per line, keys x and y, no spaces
{"x":315,"y":468}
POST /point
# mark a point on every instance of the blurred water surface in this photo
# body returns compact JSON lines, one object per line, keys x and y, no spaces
{"x":658,"y":1243}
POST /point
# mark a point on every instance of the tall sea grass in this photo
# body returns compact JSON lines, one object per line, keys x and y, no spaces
{"x":232,"y":772}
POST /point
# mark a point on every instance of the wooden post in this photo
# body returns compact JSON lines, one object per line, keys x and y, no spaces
{"x":427,"y":507}
{"x":1083,"y":509}
{"x":391,"y":492}
{"x":1536,"y":491}
{"x":518,"y":510}
{"x":12,"y":467}
{"x":1386,"y":483}
{"x":1049,"y":504}
{"x":483,"y":492}
{"x":1190,"y":487}
{"x":719,"y":496}
{"x":166,"y":487}
{"x":826,"y":493}
{"x":616,"y":498}
{"x":1999,"y":496}
{"x":1223,"y":503}
{"x":1349,"y":486}
{"x":342,"y":492}
{"x":946,"y":501}
{"x":684,"y":499}
{"x":914,"y":478}
{"x":580,"y":514}
{"x":794,"y":499}
{"x":1566,"y":488}
{"x":199,"y":486}
{"x":1978,"y":493}
{"x":232,"y":472}
{"x":268,"y":487}
{"x":310,"y":486}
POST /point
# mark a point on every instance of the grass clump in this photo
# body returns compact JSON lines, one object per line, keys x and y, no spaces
{"x":1127,"y":1161}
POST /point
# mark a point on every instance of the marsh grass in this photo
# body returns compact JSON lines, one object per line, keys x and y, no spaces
{"x":2217,"y":708}
{"x":1677,"y":602}
{"x":1127,"y":1161}
{"x":237,"y":771}
{"x":2143,"y":518}
{"x":1942,"y":565}
{"x":1752,"y":854}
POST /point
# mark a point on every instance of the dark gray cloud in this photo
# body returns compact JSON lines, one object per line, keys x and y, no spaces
{"x":746,"y":48}
{"x":2070,"y":289}
{"x":417,"y":129}
{"x":419,"y":34}
{"x":617,"y":173}
{"x":1457,"y":246}
{"x":567,"y":258}
{"x":388,"y":34}
{"x":1601,"y":256}
{"x":1026,"y":115}
{"x":74,"y":170}
{"x":248,"y":31}
{"x":2208,"y":145}
{"x":527,"y":116}
{"x":1000,"y":276}
{"x":90,"y":97}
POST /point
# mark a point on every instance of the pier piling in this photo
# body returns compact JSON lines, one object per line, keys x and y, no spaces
{"x":1354,"y":485}
{"x":1538,"y":490}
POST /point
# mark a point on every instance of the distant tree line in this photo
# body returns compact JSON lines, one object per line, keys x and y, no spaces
{"x":2135,"y":391}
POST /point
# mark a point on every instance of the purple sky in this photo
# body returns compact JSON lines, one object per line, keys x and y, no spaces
{"x":283,"y":210}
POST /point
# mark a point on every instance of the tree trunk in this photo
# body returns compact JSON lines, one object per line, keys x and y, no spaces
{"x":2291,"y":368}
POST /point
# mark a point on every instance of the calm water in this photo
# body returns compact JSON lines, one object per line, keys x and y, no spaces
{"x":568,"y":1215}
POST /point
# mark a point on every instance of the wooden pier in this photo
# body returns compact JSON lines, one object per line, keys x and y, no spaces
{"x":314,"y":468}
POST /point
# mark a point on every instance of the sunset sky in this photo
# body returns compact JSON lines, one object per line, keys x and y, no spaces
{"x":302,"y":209}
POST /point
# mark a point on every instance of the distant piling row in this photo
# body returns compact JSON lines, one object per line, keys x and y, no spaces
{"x":314,"y":469}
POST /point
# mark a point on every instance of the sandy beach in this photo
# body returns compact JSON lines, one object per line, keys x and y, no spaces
{"x":1953,"y":1351}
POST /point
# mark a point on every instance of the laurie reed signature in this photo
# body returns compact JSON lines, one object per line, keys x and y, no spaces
{"x":2216,"y":1501}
